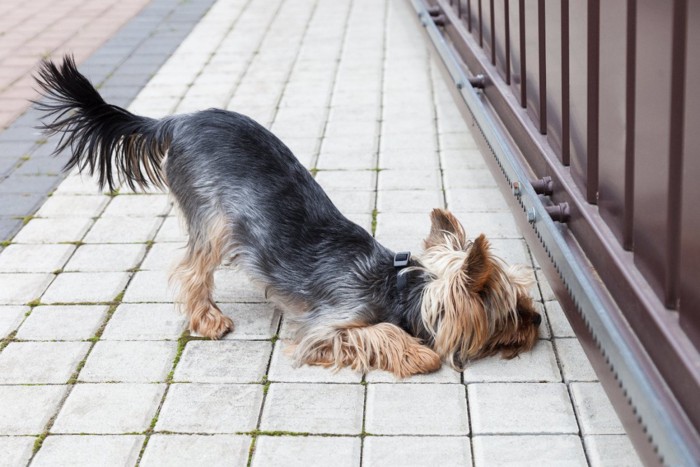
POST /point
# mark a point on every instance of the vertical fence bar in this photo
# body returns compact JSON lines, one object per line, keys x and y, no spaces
{"x":689,"y":309}
{"x":516,"y":21}
{"x":653,"y":112}
{"x":556,"y":44}
{"x":487,"y":30}
{"x":675,"y":152}
{"x":535,"y":79}
{"x":584,"y":43}
{"x":630,"y":114}
{"x":613,"y":127}
{"x":501,"y":21}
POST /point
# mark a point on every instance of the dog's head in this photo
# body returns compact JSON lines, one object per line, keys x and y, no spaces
{"x":475,"y":305}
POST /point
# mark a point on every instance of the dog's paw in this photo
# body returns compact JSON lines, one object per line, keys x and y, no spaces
{"x":213,"y":325}
{"x":417,"y":360}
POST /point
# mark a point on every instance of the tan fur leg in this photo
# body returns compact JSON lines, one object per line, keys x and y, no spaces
{"x":382,"y":346}
{"x":196,"y":276}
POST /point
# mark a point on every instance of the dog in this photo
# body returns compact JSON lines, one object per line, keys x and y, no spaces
{"x":249,"y":202}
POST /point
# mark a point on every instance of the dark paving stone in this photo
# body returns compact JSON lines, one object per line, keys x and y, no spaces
{"x":9,"y":227}
{"x":42,"y":166}
{"x":7,"y":164}
{"x":20,"y":205}
{"x":16,"y":149}
{"x":19,"y":184}
{"x":132,"y":55}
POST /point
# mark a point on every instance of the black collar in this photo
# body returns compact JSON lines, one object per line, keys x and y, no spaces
{"x":401,"y":260}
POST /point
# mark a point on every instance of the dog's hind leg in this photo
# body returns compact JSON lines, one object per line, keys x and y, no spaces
{"x":381,"y":346}
{"x":205,"y":251}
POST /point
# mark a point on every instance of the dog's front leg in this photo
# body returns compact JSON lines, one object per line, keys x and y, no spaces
{"x":381,"y":346}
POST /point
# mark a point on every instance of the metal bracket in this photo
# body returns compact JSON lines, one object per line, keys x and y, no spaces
{"x":543,"y":186}
{"x":478,"y":81}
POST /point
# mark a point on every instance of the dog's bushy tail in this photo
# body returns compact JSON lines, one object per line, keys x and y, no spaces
{"x":104,"y":139}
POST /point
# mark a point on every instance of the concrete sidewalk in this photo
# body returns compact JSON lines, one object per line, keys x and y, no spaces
{"x":95,"y":365}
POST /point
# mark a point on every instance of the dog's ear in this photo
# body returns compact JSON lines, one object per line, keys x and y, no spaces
{"x":445,"y":229}
{"x":478,"y":265}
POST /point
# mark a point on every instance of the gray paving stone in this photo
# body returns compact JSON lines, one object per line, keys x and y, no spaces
{"x":534,"y":451}
{"x":496,"y":224}
{"x":129,"y":362}
{"x":15,"y":450}
{"x":232,"y":286}
{"x":26,"y":409}
{"x":77,"y":184}
{"x":84,"y":287}
{"x":476,"y":200}
{"x":163,"y":256}
{"x":545,"y":287}
{"x":40,"y":362}
{"x":511,"y":250}
{"x":106,"y":258}
{"x":10,"y":318}
{"x":150,"y":321}
{"x":149,"y":286}
{"x":172,"y":230}
{"x":401,"y":179}
{"x":302,"y":451}
{"x":538,"y":365}
{"x":452,"y":159}
{"x":86,"y":450}
{"x":282,"y":369}
{"x":19,"y":289}
{"x":417,"y":451}
{"x":313,"y":408}
{"x":209,"y":450}
{"x":35,"y":258}
{"x":456,"y":140}
{"x":70,"y":229}
{"x":108,"y":408}
{"x":416,"y":409}
{"x":611,"y":450}
{"x":444,"y":375}
{"x":210,"y":408}
{"x":521,"y":408}
{"x":558,"y":320}
{"x":468,"y":177}
{"x":123,"y":230}
{"x":352,"y":201}
{"x":251,"y":320}
{"x":223,"y":362}
{"x":73,"y":206}
{"x":407,"y":224}
{"x":595,"y":413}
{"x":138,"y":206}
{"x":411,"y":201}
{"x":62,"y":322}
{"x":574,"y":363}
{"x":407,"y":158}
{"x":424,"y":141}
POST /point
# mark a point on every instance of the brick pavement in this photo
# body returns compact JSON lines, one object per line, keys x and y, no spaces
{"x":95,"y":365}
{"x":121,"y":67}
{"x":30,"y":31}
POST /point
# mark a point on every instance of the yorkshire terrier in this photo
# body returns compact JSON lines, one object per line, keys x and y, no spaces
{"x":247,"y":200}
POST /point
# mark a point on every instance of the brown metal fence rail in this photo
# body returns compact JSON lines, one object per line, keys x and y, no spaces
{"x":591,"y":113}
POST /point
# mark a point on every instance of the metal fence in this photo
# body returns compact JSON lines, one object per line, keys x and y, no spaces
{"x":601,"y":98}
